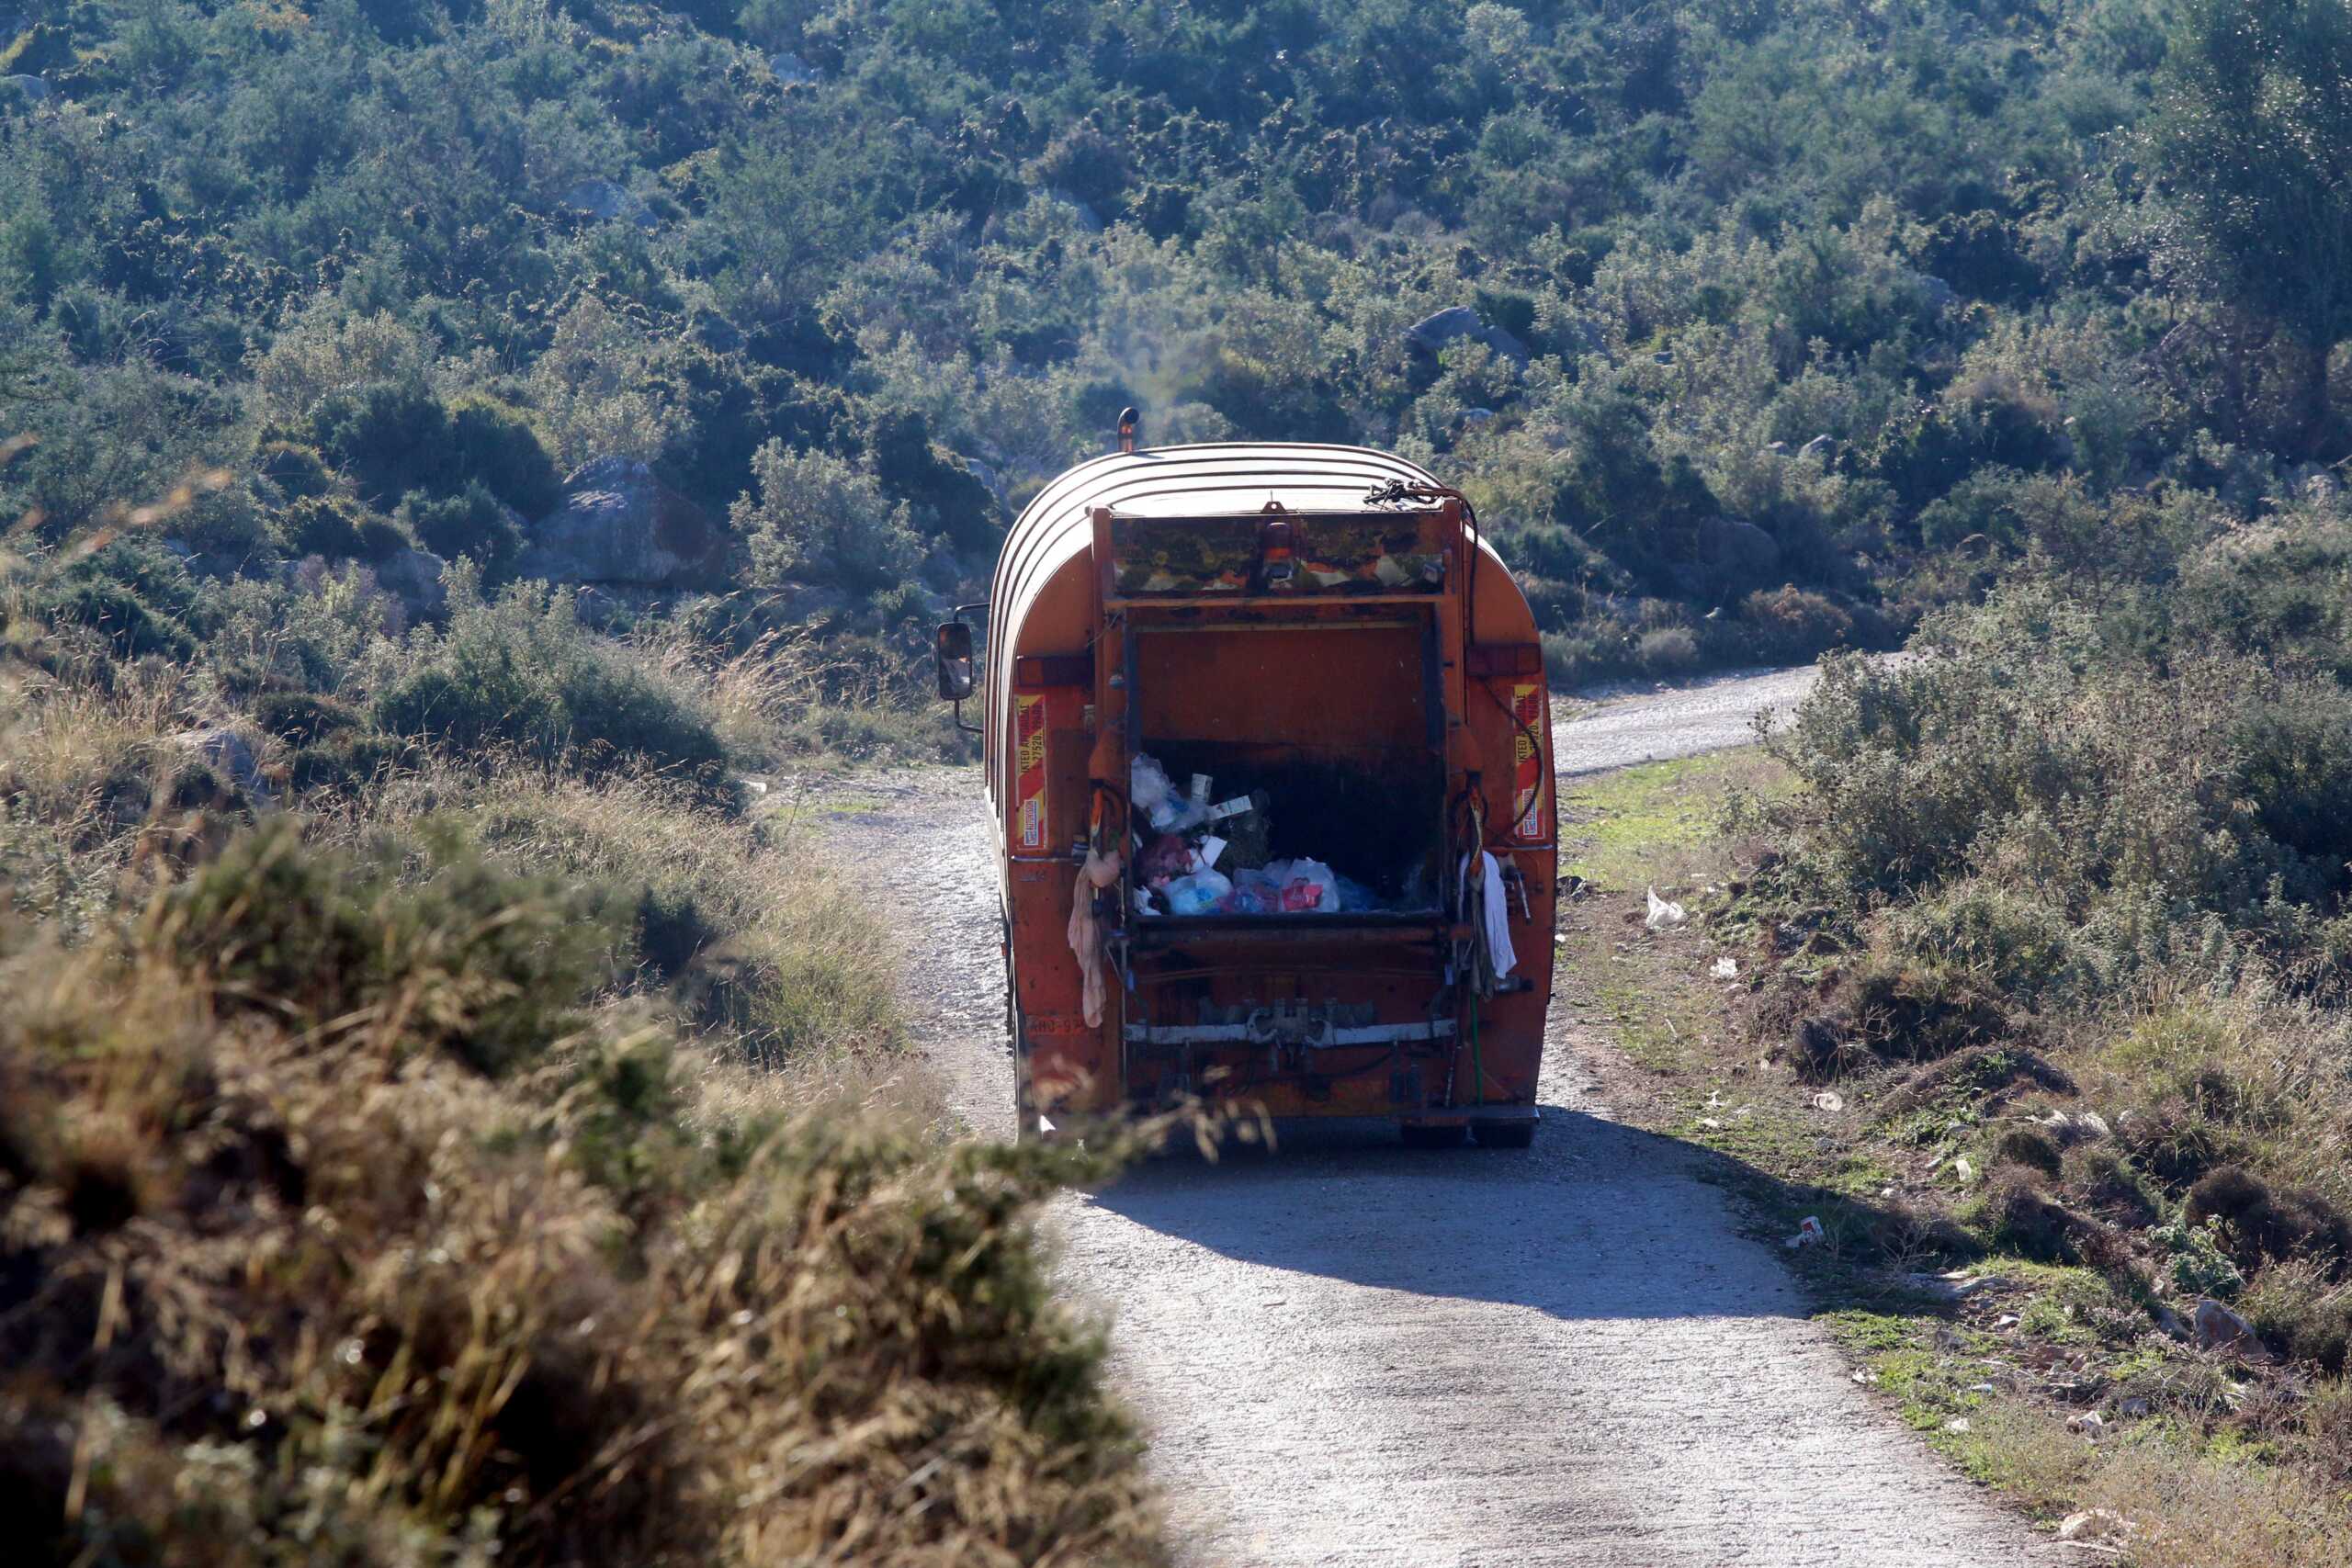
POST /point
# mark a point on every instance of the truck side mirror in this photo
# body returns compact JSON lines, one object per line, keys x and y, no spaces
{"x":953,"y":650}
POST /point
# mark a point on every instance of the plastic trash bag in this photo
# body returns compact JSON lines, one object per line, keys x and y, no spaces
{"x":1168,"y":857}
{"x":1199,"y":894}
{"x":1254,"y":893}
{"x":1663,"y":915}
{"x":1309,"y":886}
{"x":1151,"y":793}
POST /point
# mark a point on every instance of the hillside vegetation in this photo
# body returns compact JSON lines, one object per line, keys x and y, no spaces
{"x":446,"y":1116}
{"x":1775,"y":324}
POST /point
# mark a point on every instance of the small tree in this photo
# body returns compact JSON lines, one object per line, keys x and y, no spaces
{"x":821,"y":520}
{"x":2249,"y":145}
{"x":601,"y":384}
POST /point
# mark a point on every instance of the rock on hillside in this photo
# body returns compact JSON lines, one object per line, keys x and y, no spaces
{"x":1432,"y":333}
{"x":620,"y":525}
{"x":609,"y":203}
{"x":414,"y":577}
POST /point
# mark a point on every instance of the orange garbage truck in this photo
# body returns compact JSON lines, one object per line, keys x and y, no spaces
{"x":1267,"y":744}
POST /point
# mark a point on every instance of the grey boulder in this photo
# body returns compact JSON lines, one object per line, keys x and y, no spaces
{"x":2218,"y":1329}
{"x":792,"y":71}
{"x":607,"y":202}
{"x":1738,"y":550}
{"x":620,"y":525}
{"x":414,"y":577}
{"x":231,"y":755}
{"x":1432,"y":334}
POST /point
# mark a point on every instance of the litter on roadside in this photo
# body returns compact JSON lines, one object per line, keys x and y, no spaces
{"x":1663,"y":915}
{"x":1809,"y":1234}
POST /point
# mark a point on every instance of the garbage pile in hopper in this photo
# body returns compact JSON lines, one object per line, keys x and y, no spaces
{"x":1195,"y":855}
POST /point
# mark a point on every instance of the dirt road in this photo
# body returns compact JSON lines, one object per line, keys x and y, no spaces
{"x":1703,"y":716}
{"x":1350,"y":1354}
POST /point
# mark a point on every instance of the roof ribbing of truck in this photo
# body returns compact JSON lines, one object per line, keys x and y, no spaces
{"x":1220,"y":478}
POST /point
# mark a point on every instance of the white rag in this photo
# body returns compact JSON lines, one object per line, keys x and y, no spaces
{"x":1496,"y":912}
{"x":1085,"y":932}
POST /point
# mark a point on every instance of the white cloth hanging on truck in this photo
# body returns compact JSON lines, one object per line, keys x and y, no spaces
{"x":1485,"y":906}
{"x":1086,"y":931}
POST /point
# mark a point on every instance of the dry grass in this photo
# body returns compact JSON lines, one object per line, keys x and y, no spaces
{"x":279,"y":1272}
{"x":794,"y":694}
{"x":506,"y":1159}
{"x":2177,"y":1509}
{"x":771,"y":947}
{"x":95,"y":798}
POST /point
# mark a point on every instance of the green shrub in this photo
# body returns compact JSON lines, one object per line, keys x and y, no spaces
{"x":520,"y":672}
{"x":2024,"y":945}
{"x":1789,"y":625}
{"x":302,"y":718}
{"x":486,"y":965}
{"x":390,"y":436}
{"x":2194,"y":1260}
{"x":495,"y":447}
{"x":116,"y":613}
{"x":380,"y":538}
{"x":2137,"y":801}
{"x":395,"y":437}
{"x":298,"y":471}
{"x":821,"y":520}
{"x":322,"y":525}
{"x":44,"y":47}
{"x":470,"y":523}
{"x":347,"y":760}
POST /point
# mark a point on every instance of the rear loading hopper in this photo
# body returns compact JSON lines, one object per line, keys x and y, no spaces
{"x":1266,"y":739}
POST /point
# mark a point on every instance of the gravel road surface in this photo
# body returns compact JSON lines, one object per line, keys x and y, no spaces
{"x":1352,"y":1354}
{"x":1704,"y":716}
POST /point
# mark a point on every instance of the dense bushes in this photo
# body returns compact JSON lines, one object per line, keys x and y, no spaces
{"x":471,"y":524}
{"x":2084,"y":850}
{"x":395,"y":437}
{"x":819,"y":518}
{"x":542,"y":1284}
{"x":519,"y":673}
{"x":1972,"y":293}
{"x":2025,"y":746}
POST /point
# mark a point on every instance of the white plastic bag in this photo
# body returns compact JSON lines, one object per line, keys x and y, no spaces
{"x":1198,"y":894}
{"x":1150,"y":792}
{"x":1315,"y":874}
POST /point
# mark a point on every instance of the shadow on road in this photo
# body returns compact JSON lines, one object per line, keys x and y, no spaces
{"x":1597,"y":1220}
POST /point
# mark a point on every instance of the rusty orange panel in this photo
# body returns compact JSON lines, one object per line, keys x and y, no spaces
{"x":1342,"y":688}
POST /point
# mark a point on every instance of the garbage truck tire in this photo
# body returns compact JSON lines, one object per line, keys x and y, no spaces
{"x":1505,"y":1134}
{"x":1024,"y":1115}
{"x":1024,"y":1109}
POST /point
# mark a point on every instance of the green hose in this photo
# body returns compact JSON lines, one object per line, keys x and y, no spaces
{"x":1477,"y":1068}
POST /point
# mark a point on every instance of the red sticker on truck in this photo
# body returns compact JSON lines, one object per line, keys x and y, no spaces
{"x":1527,"y":762}
{"x":1029,"y":772}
